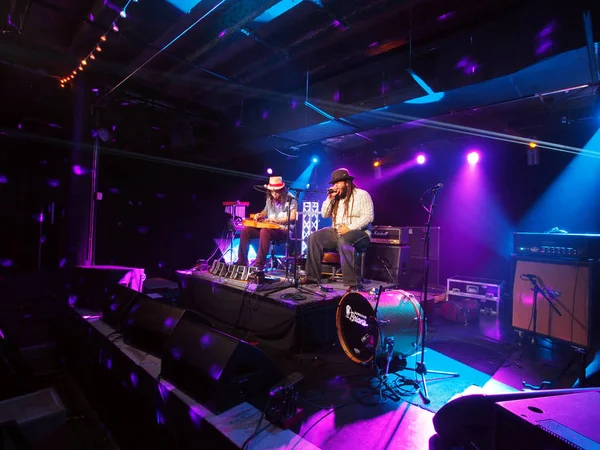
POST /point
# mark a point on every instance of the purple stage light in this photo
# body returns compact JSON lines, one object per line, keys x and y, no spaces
{"x":270,"y":171}
{"x":78,"y":170}
{"x":473,"y":158}
{"x":421,"y":159}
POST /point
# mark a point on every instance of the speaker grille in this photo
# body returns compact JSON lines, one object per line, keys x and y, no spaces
{"x":214,"y":368}
{"x":568,"y":285}
{"x":388,"y":263}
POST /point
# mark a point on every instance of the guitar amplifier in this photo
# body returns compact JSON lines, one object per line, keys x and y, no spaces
{"x":388,"y":235}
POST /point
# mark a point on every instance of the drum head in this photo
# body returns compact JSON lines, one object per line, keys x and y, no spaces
{"x":354,"y":319}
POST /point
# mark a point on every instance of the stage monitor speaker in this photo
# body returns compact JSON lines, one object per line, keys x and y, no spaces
{"x":568,"y":285}
{"x":117,"y":303}
{"x":468,"y":421}
{"x":216,"y":369}
{"x":89,"y":284}
{"x":149,"y":323}
{"x":29,"y":420}
{"x":388,"y":263}
{"x":558,"y":423}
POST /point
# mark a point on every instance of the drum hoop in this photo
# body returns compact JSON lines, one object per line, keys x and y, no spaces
{"x":342,"y":339}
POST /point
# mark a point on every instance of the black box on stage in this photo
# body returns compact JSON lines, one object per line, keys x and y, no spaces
{"x":213,"y":368}
{"x":487,"y":292}
{"x":388,"y":263}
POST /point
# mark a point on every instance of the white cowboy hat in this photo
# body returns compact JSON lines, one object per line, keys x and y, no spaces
{"x":275,"y":183}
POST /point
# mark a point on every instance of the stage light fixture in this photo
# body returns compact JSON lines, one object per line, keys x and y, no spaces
{"x":377,"y":163}
{"x":84,"y":62}
{"x":473,"y":158}
{"x":98,"y":48}
{"x":315,"y":160}
{"x":103,"y":38}
{"x":123,"y":14}
{"x":270,"y":171}
{"x":421,"y":158}
{"x":532,"y":145}
{"x":115,"y":27}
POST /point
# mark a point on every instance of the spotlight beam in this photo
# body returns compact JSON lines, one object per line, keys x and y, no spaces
{"x":140,"y":67}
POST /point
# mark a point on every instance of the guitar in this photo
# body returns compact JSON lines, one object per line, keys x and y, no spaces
{"x":256,"y":224}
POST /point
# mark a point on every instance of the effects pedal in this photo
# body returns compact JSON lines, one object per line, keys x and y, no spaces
{"x":283,"y":410}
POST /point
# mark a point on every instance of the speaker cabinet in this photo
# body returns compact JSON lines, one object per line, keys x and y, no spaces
{"x":416,"y":241}
{"x":149,"y":323}
{"x":388,"y":263}
{"x":116,"y":305}
{"x":569,"y":286}
{"x":216,"y":369}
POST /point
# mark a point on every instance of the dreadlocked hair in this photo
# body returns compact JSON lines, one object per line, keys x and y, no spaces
{"x":348,"y":201}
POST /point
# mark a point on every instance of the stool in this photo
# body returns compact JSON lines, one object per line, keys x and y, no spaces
{"x":273,"y":262}
{"x":332,"y":258}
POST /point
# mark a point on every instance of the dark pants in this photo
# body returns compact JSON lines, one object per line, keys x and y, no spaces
{"x":266,"y":236}
{"x":346,"y":245}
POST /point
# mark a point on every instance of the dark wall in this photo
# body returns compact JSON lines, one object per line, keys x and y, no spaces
{"x":160,"y":217}
{"x":34,"y":183}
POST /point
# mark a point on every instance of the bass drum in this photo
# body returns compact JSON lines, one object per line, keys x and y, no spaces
{"x":362,"y":335}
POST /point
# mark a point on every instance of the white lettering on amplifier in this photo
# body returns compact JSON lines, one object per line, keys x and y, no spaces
{"x":356,"y":317}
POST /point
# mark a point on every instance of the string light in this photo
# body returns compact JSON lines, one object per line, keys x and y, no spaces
{"x":96,"y":49}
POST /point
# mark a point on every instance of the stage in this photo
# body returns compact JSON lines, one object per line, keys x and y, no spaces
{"x":275,"y":313}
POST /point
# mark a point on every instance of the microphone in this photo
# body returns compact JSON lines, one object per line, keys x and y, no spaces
{"x":437,"y":187}
{"x":331,"y":191}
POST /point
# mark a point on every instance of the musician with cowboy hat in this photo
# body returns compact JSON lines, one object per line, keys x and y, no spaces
{"x":280,"y":204}
{"x":351,"y":212}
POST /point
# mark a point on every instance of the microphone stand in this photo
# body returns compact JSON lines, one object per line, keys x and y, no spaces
{"x":537,"y":289}
{"x":296,"y":278}
{"x":421,"y":368}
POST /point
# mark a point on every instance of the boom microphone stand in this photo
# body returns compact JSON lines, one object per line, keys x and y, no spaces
{"x":421,"y":368}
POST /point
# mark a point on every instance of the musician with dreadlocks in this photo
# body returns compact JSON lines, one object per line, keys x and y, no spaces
{"x":351,"y":212}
